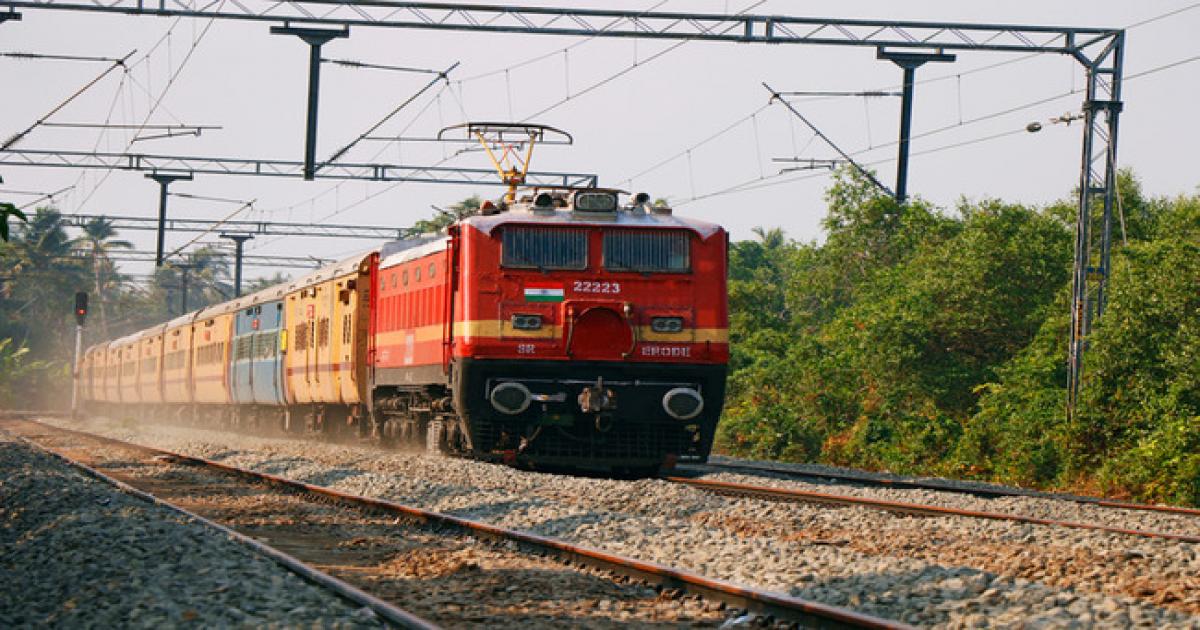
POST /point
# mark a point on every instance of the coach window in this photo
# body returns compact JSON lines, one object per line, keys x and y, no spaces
{"x":432,"y":270}
{"x":404,"y":277}
{"x":417,"y":273}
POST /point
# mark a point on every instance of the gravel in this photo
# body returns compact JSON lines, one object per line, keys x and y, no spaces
{"x":77,"y":552}
{"x":442,"y":576}
{"x":950,"y":571}
{"x":1037,"y":506}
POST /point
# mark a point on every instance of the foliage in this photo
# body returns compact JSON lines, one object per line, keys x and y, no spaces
{"x":919,"y":342}
{"x":446,"y":217}
{"x":21,"y":379}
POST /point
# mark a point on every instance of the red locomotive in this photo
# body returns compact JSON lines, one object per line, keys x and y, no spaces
{"x":559,"y":329}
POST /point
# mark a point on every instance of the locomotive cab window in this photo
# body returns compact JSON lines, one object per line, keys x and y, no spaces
{"x":648,"y":251}
{"x":543,"y":248}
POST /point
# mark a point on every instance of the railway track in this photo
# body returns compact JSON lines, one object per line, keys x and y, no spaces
{"x":937,"y":486}
{"x":389,"y":613}
{"x":672,"y":582}
{"x":787,"y":494}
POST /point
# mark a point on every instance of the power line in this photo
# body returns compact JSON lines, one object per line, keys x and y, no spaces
{"x":548,"y":55}
{"x":52,"y":57}
{"x":766,"y":182}
{"x":57,"y":108}
{"x":864,"y":172}
{"x":162,"y":94}
{"x":362,"y":65}
{"x":934,"y":79}
{"x":620,"y":73}
{"x":441,"y":76}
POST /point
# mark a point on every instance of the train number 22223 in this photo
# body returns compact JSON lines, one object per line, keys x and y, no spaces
{"x":590,"y":286}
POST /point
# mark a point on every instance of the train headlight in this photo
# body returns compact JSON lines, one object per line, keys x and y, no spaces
{"x":527,"y":322}
{"x":666,"y":324}
{"x":595,"y":202}
{"x":683,"y":403}
{"x":510,"y":398}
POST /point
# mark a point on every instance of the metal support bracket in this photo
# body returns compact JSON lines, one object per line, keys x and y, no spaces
{"x":239,"y":240}
{"x":164,"y":182}
{"x":909,"y":61}
{"x":315,"y":38}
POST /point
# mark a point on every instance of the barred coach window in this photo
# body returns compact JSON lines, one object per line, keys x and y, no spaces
{"x":647,"y":251}
{"x":544,"y":248}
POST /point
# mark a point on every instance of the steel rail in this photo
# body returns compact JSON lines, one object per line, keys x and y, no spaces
{"x":752,"y":599}
{"x":988,"y":493}
{"x":917,"y":509}
{"x":394,"y":615}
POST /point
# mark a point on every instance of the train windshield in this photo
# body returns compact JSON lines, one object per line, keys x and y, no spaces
{"x":544,"y":248}
{"x":647,"y":251}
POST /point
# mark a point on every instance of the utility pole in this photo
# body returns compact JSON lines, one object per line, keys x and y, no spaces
{"x":164,"y":181}
{"x":909,"y":61}
{"x":239,"y":240}
{"x":315,"y":38}
{"x":81,"y":310}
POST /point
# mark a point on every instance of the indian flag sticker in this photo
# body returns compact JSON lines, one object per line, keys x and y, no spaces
{"x":543,"y":292}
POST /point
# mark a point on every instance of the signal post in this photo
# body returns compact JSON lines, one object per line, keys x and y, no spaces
{"x":81,"y":306}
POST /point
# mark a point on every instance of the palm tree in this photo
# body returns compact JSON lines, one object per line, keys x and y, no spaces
{"x":772,"y":238}
{"x":98,"y":241}
{"x":206,"y":271}
{"x":44,"y":271}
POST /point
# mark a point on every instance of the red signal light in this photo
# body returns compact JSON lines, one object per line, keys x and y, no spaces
{"x":81,"y":305}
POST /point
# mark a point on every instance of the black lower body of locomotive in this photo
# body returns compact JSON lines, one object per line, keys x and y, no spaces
{"x":631,"y":430}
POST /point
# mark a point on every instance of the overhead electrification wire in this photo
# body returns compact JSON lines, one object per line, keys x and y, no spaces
{"x":214,"y":226}
{"x":622,"y":72}
{"x":551,"y":54}
{"x":362,"y":65}
{"x":45,"y":197}
{"x":174,"y":76}
{"x":441,"y":76}
{"x":759,"y":183}
{"x":204,"y":198}
{"x":722,"y":131}
{"x":862,"y":171}
{"x":15,"y":138}
{"x":51,"y":57}
{"x":958,"y":78}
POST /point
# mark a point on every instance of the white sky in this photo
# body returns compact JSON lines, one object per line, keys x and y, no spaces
{"x":254,"y":85}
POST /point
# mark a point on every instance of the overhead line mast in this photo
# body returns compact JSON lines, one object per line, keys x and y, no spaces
{"x":1099,"y":50}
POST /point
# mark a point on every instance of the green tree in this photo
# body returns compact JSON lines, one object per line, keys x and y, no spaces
{"x":446,"y":217}
{"x":99,"y":241}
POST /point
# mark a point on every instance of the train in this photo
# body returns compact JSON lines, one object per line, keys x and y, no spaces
{"x":558,"y":329}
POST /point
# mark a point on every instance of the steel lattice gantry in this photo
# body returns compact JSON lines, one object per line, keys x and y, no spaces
{"x":256,"y":228}
{"x":175,"y":164}
{"x":1099,"y":50}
